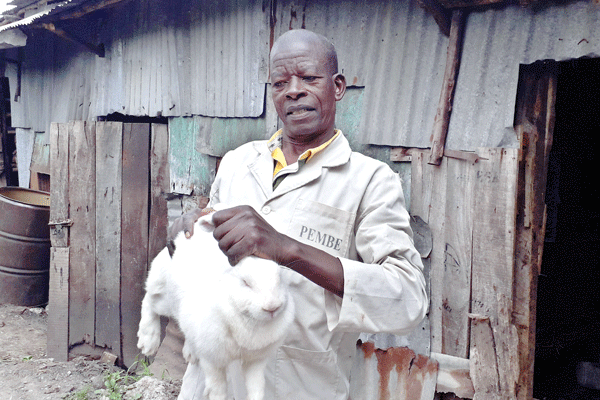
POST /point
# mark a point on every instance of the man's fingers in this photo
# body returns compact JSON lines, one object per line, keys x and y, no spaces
{"x":186,"y":223}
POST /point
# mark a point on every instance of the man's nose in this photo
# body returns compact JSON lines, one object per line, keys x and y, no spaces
{"x":295,"y":88}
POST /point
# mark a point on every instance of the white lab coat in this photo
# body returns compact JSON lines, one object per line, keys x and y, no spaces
{"x":352,"y":207}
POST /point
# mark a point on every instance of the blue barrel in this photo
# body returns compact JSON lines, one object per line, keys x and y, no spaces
{"x":24,"y":246}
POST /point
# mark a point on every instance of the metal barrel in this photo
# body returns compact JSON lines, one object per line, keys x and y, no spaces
{"x":24,"y":246}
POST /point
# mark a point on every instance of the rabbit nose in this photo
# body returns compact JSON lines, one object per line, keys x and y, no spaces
{"x":272,"y":306}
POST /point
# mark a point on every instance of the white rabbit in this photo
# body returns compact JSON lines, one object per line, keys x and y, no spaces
{"x":225,"y":313}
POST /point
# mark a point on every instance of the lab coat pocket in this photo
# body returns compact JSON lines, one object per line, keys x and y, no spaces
{"x":306,"y":375}
{"x":322,"y":226}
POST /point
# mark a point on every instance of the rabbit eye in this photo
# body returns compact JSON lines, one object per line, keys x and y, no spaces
{"x":247,"y":283}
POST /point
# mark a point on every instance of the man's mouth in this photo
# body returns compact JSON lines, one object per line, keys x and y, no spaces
{"x":299,"y":110}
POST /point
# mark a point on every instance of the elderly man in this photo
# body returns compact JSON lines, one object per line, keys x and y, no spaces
{"x":334,"y":219}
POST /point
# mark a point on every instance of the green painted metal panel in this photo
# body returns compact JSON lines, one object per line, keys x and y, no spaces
{"x":348,"y":119}
{"x":196,"y":142}
{"x":216,"y":136}
{"x":191,"y":171}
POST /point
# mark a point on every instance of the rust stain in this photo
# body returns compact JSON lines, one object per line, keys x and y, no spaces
{"x":412,"y":369}
{"x":367,"y":348}
{"x":400,"y":358}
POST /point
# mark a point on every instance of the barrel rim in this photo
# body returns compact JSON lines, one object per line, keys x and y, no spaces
{"x":10,"y":200}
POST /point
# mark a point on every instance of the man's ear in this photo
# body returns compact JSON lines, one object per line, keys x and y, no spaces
{"x":339,"y":81}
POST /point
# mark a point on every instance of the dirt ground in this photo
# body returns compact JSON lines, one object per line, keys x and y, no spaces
{"x":26,"y":373}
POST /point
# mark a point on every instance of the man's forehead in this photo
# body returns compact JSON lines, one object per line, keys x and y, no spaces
{"x":297,"y":57}
{"x":290,"y":67}
{"x":297,"y":43}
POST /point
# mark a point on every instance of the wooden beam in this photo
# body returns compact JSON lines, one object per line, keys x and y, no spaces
{"x":400,"y":154}
{"x":86,"y":9}
{"x":96,"y":49}
{"x":469,"y":3}
{"x":442,"y":117}
{"x":439,"y":14}
{"x":453,"y":375}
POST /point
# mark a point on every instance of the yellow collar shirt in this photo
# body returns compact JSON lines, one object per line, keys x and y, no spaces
{"x":282,"y":169}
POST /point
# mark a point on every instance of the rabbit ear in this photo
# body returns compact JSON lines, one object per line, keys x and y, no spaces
{"x":206,"y":223}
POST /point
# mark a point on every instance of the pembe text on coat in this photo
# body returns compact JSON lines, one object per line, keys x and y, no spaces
{"x":321,"y":238}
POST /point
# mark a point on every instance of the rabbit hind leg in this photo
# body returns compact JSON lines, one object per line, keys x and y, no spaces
{"x":215,"y":378}
{"x":254,"y":375}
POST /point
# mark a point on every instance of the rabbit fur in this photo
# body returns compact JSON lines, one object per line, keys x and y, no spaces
{"x":225,"y":313}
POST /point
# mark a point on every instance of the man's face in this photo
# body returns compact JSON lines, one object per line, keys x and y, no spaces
{"x":304,"y":89}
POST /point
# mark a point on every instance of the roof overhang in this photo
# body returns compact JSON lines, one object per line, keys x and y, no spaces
{"x":42,"y":15}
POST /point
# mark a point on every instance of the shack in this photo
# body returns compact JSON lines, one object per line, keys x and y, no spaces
{"x":488,"y":110}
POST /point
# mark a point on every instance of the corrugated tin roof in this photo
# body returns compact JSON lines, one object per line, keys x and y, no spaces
{"x":32,"y":18}
{"x":44,"y":11}
{"x":496,"y":42}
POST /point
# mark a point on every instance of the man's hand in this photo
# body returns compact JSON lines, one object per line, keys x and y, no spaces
{"x":186,"y":224}
{"x":241,"y":232}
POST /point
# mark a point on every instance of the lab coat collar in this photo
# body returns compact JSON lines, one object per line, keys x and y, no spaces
{"x":337,"y":153}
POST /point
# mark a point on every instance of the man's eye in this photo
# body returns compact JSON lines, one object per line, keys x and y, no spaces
{"x":279,"y":84}
{"x":309,"y":78}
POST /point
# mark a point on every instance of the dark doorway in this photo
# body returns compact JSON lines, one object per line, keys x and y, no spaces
{"x":567,"y":359}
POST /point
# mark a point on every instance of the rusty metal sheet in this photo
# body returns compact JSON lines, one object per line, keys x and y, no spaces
{"x":24,"y":246}
{"x":393,"y":374}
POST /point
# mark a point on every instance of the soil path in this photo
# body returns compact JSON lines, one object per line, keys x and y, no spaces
{"x":26,"y":373}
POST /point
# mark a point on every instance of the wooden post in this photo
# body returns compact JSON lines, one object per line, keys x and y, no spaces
{"x":82,"y":200}
{"x":108,"y":234}
{"x":159,"y":186}
{"x":494,"y":220}
{"x":134,"y":234}
{"x":439,"y":13}
{"x":57,"y":345}
{"x":58,"y":296}
{"x":442,"y":117}
{"x":5,"y":144}
{"x":534,"y":125}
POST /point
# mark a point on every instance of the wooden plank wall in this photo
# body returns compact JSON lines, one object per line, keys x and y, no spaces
{"x":108,"y":185}
{"x":58,"y":296}
{"x":134,"y":233}
{"x":470,"y":207}
{"x":109,"y":149}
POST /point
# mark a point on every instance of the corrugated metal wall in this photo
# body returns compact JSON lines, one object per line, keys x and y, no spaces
{"x":495,"y":43}
{"x":209,"y":58}
{"x":392,"y":48}
{"x":164,"y":58}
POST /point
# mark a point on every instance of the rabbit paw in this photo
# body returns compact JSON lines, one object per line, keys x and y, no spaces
{"x":149,"y":336}
{"x":188,"y":354}
{"x":215,"y":380}
{"x":214,"y":394}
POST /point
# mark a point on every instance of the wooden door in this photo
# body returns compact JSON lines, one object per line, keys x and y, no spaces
{"x":108,"y":218}
{"x":486,"y":212}
{"x":470,"y":206}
